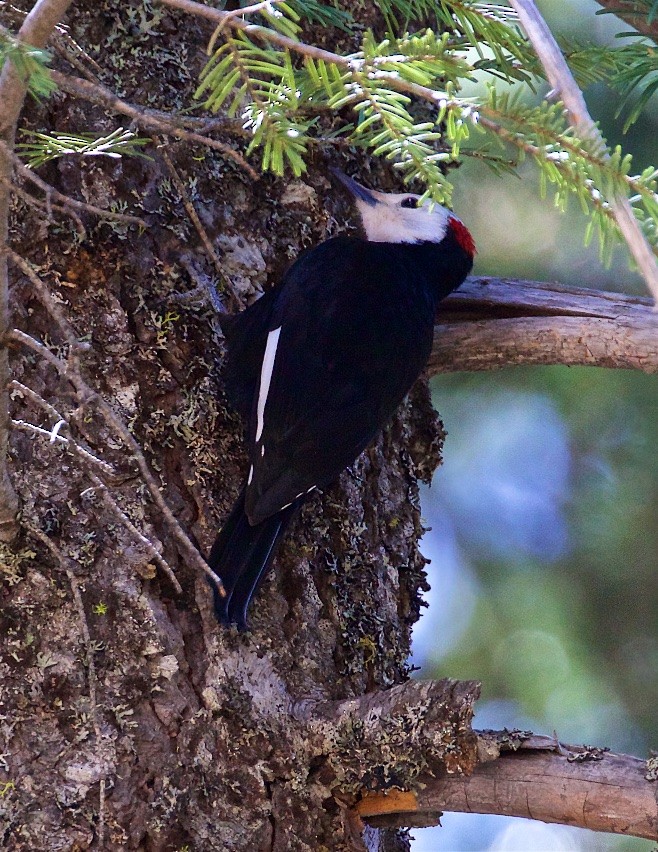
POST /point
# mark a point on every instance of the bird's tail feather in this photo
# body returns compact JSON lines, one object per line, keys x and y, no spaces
{"x":241,"y":556}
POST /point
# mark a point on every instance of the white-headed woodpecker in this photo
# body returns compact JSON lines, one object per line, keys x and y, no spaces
{"x":320,"y":363}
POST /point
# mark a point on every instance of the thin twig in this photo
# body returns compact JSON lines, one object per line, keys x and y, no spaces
{"x":65,"y":200}
{"x":114,"y":507}
{"x":241,"y":12}
{"x":191,"y":553}
{"x":71,"y":370}
{"x":65,"y":564}
{"x":70,"y":444}
{"x":261,"y":33}
{"x":46,"y":206}
{"x":562,"y":81}
{"x":20,"y":337}
{"x":74,"y":447}
{"x":201,"y":231}
{"x":45,"y":296}
{"x":96,"y":93}
{"x":70,"y":50}
{"x":113,"y":420}
{"x":37,"y":399}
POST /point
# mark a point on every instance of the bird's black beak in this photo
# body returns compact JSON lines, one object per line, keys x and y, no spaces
{"x":355,"y":188}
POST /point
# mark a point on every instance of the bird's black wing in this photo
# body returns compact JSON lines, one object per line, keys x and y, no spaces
{"x":354,"y":332}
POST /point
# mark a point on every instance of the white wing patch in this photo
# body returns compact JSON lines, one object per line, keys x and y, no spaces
{"x":266,"y":378}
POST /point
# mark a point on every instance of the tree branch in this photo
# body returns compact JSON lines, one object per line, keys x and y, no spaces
{"x":65,"y":200}
{"x":551,"y":59}
{"x":36,"y":30}
{"x":402,"y":756}
{"x":146,"y":119}
{"x":537,"y":778}
{"x":492,"y":322}
{"x":634,"y":14}
{"x":566,"y":88}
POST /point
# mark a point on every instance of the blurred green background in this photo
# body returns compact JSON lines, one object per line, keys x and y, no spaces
{"x":544,"y":541}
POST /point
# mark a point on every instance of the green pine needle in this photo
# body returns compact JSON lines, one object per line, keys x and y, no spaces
{"x":290,"y":103}
{"x":45,"y":147}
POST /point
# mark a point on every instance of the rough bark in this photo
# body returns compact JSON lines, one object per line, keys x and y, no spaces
{"x":129,"y":718}
{"x":492,"y":322}
{"x":35,"y":30}
{"x":535,"y":777}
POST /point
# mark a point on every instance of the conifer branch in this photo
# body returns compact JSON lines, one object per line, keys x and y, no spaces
{"x":148,"y":120}
{"x":375,"y":81}
{"x":561,"y":78}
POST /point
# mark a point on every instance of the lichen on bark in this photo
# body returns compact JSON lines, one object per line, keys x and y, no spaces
{"x":199,"y":736}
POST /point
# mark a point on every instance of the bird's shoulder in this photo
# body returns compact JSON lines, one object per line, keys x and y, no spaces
{"x":246,"y":333}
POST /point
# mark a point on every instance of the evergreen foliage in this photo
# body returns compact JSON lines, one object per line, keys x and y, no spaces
{"x":401,"y":94}
{"x":293,"y":96}
{"x":30,"y":63}
{"x":44,"y":147}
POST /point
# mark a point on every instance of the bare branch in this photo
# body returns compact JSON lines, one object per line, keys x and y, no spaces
{"x":201,"y":231}
{"x":36,"y":30}
{"x":247,"y":10}
{"x":261,"y":33}
{"x":146,"y":119}
{"x":65,"y":565}
{"x":43,"y":207}
{"x":94,"y":92}
{"x":65,"y":200}
{"x":633,"y":13}
{"x":490,"y":323}
{"x":45,"y":297}
{"x":507,"y":772}
{"x":538,"y":779}
{"x":19,"y":337}
{"x":88,"y":458}
{"x":70,"y":445}
{"x":71,"y":370}
{"x":118,"y":512}
{"x":562,"y":81}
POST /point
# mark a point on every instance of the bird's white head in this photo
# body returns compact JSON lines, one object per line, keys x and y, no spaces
{"x":400,"y":218}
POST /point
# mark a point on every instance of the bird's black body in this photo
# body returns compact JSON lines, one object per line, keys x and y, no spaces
{"x":355,"y":321}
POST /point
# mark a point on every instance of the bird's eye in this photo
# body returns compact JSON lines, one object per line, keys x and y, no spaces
{"x":409,"y":202}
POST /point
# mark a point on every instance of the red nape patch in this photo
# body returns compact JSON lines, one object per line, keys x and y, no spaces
{"x":462,"y":235}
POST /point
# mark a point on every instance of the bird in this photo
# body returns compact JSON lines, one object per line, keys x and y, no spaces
{"x":320,"y":363}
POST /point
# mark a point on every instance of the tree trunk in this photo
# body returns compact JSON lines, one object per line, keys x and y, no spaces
{"x":130,"y":719}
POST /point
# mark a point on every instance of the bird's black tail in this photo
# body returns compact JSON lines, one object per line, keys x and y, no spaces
{"x":241,"y":556}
